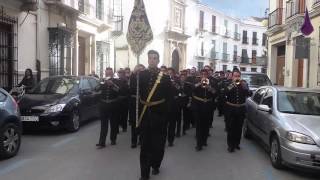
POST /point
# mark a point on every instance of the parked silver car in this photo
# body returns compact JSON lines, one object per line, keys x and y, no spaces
{"x":10,"y":125}
{"x":287,"y":121}
{"x":256,"y":80}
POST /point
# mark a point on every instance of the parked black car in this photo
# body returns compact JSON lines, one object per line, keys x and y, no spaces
{"x":60,"y":102}
{"x":10,"y":126}
{"x":256,"y":80}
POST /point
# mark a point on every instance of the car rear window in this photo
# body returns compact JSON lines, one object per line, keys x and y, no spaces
{"x":2,"y":97}
{"x":256,"y":80}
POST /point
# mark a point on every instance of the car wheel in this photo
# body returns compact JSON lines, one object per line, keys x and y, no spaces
{"x":246,"y":131}
{"x":74,"y":122}
{"x":275,"y":153}
{"x":10,"y":139}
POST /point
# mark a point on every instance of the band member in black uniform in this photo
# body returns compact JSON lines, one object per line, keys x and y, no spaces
{"x":108,"y":96}
{"x":214,"y":84}
{"x":132,"y":105}
{"x":155,"y":92}
{"x":220,"y":99}
{"x":185,"y":101}
{"x":236,"y":94}
{"x":174,"y":111}
{"x":223,"y":85}
{"x":123,"y":100}
{"x":202,"y":105}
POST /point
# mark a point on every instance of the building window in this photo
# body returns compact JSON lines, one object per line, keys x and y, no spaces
{"x":102,"y":49}
{"x":200,"y":66}
{"x":245,"y":37}
{"x":60,"y":51}
{"x":178,"y":17}
{"x":254,"y":38}
{"x":214,"y":24}
{"x":243,"y":69}
{"x":100,"y":10}
{"x":202,"y":48}
{"x":235,"y":53}
{"x":214,"y":54}
{"x":225,"y":55}
{"x":264,"y":39}
{"x":253,"y":69}
{"x":254,"y":56}
{"x":244,"y":56}
{"x":226,"y":27}
{"x":224,"y":68}
{"x":8,"y":51}
{"x":201,"y":21}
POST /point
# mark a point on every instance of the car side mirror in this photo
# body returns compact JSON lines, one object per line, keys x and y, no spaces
{"x":264,"y":108}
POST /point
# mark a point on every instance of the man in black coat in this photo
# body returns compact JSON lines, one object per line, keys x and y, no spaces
{"x":155,"y":92}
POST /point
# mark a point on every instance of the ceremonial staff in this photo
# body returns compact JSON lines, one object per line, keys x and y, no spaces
{"x":139,"y":35}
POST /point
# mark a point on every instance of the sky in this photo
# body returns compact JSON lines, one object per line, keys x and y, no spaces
{"x":239,"y":8}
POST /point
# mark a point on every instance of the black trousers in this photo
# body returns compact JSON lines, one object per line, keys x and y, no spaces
{"x":220,"y":106}
{"x":203,"y":116}
{"x":187,"y":118}
{"x":132,"y":121}
{"x":174,"y":124}
{"x":107,"y":116}
{"x":123,"y":114}
{"x":235,"y":117}
{"x":153,"y":132}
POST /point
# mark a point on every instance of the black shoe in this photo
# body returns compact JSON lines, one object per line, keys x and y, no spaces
{"x":238,"y":147}
{"x":178,"y":135}
{"x":113,"y":143}
{"x":184,"y":133}
{"x":155,"y":171}
{"x":170,"y":144}
{"x":100,"y":146}
{"x":124,"y":130}
{"x":205,"y":144}
{"x":133,"y":146}
{"x":231,"y":150}
{"x":198,"y":148}
{"x":144,"y":178}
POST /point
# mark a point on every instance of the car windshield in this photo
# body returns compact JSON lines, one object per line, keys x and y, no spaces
{"x":56,"y":86}
{"x":256,"y":80}
{"x":307,"y":103}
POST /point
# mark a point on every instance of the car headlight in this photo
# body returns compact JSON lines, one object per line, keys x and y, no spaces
{"x":299,"y":138}
{"x":55,"y":108}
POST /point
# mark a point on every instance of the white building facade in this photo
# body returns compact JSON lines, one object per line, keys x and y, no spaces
{"x":57,"y":37}
{"x":225,"y":42}
{"x":190,"y":34}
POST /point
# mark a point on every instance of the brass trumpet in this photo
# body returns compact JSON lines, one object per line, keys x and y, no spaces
{"x":238,"y":82}
{"x":205,"y":82}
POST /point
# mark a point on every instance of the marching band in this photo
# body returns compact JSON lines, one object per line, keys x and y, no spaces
{"x":160,"y":103}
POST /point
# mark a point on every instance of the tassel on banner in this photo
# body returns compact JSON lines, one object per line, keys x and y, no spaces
{"x":307,"y":27}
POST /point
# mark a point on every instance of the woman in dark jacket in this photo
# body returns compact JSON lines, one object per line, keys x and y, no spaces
{"x":28,"y":81}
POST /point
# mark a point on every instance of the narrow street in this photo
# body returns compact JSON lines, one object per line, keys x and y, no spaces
{"x":63,"y":156}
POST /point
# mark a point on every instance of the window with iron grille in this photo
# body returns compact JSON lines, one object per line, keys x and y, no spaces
{"x":201,"y":20}
{"x":99,"y":10}
{"x":8,"y":50}
{"x":102,"y":57}
{"x":60,"y":51}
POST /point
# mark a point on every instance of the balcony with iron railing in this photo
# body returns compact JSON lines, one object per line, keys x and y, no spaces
{"x":214,"y":55}
{"x":245,"y":40}
{"x":316,"y":8}
{"x":275,"y":18}
{"x":227,"y":33}
{"x":236,"y":36}
{"x":295,"y":8}
{"x":225,"y":57}
{"x":255,"y":41}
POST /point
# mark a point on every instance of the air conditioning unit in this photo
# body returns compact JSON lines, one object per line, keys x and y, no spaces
{"x":29,"y":5}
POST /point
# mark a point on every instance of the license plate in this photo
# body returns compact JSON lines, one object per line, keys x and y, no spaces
{"x":30,"y":118}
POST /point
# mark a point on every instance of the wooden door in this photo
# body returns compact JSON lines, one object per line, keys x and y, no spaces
{"x":300,"y":73}
{"x":280,"y":70}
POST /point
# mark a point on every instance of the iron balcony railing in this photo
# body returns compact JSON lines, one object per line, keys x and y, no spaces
{"x":225,"y":57}
{"x":255,"y":41}
{"x":295,"y":7}
{"x":214,"y":55}
{"x":245,"y":40}
{"x":275,"y":17}
{"x":316,"y":2}
{"x":237,"y":36}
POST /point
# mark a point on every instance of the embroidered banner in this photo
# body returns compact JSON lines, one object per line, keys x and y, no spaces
{"x":139,"y":30}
